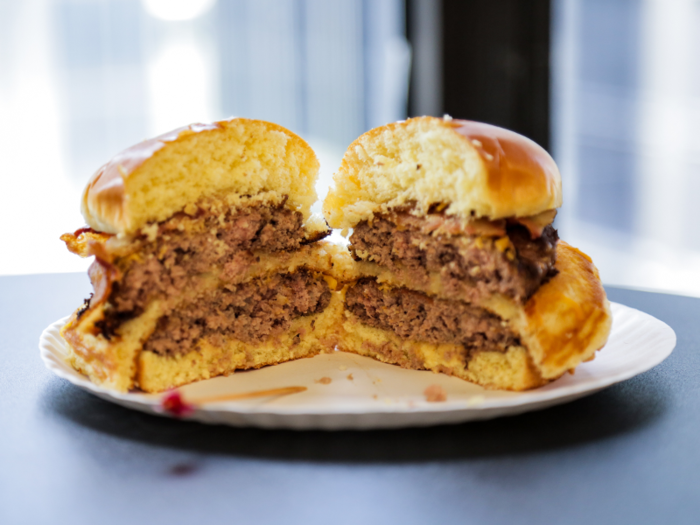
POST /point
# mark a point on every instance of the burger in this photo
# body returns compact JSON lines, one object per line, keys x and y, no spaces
{"x":207,"y":259}
{"x":458,"y":267}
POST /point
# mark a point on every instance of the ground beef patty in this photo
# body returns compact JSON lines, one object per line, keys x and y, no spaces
{"x":472,"y":266}
{"x":187,"y":246}
{"x":249,"y":312}
{"x":418,"y":317}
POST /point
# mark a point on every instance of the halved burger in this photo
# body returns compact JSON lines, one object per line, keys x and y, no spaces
{"x":207,"y":258}
{"x":458,"y":267}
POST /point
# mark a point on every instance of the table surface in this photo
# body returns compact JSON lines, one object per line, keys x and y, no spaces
{"x":628,"y":454}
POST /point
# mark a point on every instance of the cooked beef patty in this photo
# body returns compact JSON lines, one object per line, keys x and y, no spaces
{"x":418,"y":317}
{"x":187,"y":246}
{"x":477,"y":266}
{"x":249,"y":312}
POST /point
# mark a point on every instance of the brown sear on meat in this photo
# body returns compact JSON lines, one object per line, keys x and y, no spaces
{"x":250,"y":312}
{"x":227,"y":241}
{"x":471,"y":266}
{"x":417,"y":317}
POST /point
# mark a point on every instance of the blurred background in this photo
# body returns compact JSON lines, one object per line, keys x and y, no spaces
{"x":610,"y":87}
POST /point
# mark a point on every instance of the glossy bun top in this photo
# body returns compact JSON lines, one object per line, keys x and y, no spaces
{"x":474,"y":170}
{"x":152,"y":180}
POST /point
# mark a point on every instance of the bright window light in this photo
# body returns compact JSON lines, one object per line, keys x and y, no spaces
{"x":177,"y":9}
{"x":180,"y":86}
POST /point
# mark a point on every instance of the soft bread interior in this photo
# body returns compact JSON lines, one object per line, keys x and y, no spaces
{"x":475,"y":169}
{"x":420,"y":161}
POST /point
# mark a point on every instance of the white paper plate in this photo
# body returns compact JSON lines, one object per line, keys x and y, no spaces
{"x":381,"y":395}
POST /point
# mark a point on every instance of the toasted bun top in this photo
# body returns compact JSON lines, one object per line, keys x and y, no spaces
{"x":477,"y":170}
{"x":153,"y":180}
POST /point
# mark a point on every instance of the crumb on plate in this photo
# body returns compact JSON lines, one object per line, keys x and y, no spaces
{"x":435,"y":394}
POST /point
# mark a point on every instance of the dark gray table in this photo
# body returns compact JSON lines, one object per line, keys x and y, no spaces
{"x":629,"y":454}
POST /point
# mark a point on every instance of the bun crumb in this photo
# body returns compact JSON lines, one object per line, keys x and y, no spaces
{"x":435,"y":394}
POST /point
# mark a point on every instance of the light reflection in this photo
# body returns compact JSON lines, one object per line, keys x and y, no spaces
{"x":172,"y":10}
{"x":180,"y":86}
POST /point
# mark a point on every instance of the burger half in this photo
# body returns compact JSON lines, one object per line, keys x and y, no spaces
{"x":459,"y":269}
{"x":207,"y":258}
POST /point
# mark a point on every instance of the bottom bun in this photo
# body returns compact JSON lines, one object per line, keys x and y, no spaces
{"x":509,"y":370}
{"x":306,"y":337}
